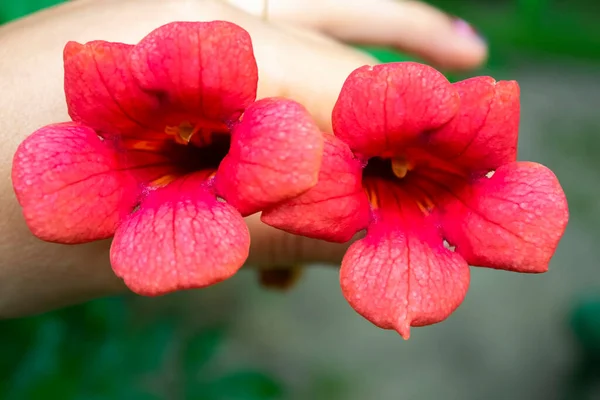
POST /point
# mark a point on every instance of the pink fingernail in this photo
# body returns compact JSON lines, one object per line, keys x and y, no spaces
{"x":463,"y":28}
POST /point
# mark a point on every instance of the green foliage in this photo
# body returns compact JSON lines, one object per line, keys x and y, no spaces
{"x":101,"y":350}
{"x":201,"y":348}
{"x":202,"y":384}
{"x":10,"y":10}
{"x":329,"y":386}
{"x":585,"y":323}
{"x":239,"y":385}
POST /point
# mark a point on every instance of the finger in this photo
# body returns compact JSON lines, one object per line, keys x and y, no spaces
{"x":410,"y":26}
{"x":37,"y":276}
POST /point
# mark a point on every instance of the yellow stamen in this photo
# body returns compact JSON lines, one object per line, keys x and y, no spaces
{"x":186,"y":132}
{"x":425,"y":204}
{"x":428,"y":203}
{"x":163,"y":180}
{"x":182,"y":133}
{"x":147,"y":145}
{"x":422,"y":198}
{"x":371,"y":194}
{"x":401,"y":166}
{"x":202,"y":130}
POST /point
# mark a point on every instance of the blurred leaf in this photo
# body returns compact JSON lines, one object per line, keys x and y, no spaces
{"x":329,"y":387}
{"x":108,"y":369}
{"x":583,"y":384}
{"x":110,"y":315}
{"x":130,"y":393}
{"x":531,"y":11}
{"x":10,"y":10}
{"x":16,"y":338}
{"x":120,"y":393}
{"x":42,"y":359}
{"x":244,"y":385}
{"x":201,"y":348}
{"x":199,"y":351}
{"x":54,"y":385}
{"x":149,"y":348}
{"x":585,"y":323}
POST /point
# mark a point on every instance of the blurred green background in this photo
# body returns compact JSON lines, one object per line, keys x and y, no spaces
{"x":515,"y":336}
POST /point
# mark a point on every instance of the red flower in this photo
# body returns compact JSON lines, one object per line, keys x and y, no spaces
{"x":412,"y":162}
{"x":158,"y":156}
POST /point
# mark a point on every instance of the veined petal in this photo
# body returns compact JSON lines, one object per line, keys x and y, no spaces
{"x":400,"y":276}
{"x":72,"y":186}
{"x":203,"y":69}
{"x":513,"y":220}
{"x":336,"y":208}
{"x":275,"y":155}
{"x":101,"y":91}
{"x":181,"y":237}
{"x":386,"y":107}
{"x":484,"y":133}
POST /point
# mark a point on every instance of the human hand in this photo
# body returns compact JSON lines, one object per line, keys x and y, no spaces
{"x":295,"y":60}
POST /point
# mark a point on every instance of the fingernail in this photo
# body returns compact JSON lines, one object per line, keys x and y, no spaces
{"x":463,"y":28}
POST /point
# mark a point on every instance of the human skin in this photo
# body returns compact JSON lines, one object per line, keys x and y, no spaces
{"x":294,"y":58}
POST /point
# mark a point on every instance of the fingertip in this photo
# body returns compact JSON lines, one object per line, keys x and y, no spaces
{"x":446,"y":41}
{"x":458,"y":56}
{"x":465,"y":48}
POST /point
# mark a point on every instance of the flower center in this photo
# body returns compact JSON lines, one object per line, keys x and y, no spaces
{"x":186,"y":148}
{"x":200,"y":133}
{"x":389,"y":169}
{"x":415,"y":178}
{"x":198,"y":147}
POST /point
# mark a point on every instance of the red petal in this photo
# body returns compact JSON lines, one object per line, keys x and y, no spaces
{"x":403,"y":276}
{"x":101,"y":91}
{"x":513,"y":220}
{"x":484,"y":133}
{"x":206,"y":69}
{"x":181,"y":237}
{"x":383,"y":108}
{"x":71,"y":185}
{"x":336,"y":208}
{"x":275,"y":155}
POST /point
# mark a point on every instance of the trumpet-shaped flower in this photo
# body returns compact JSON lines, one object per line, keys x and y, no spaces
{"x":429,"y":169}
{"x":167,"y":151}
